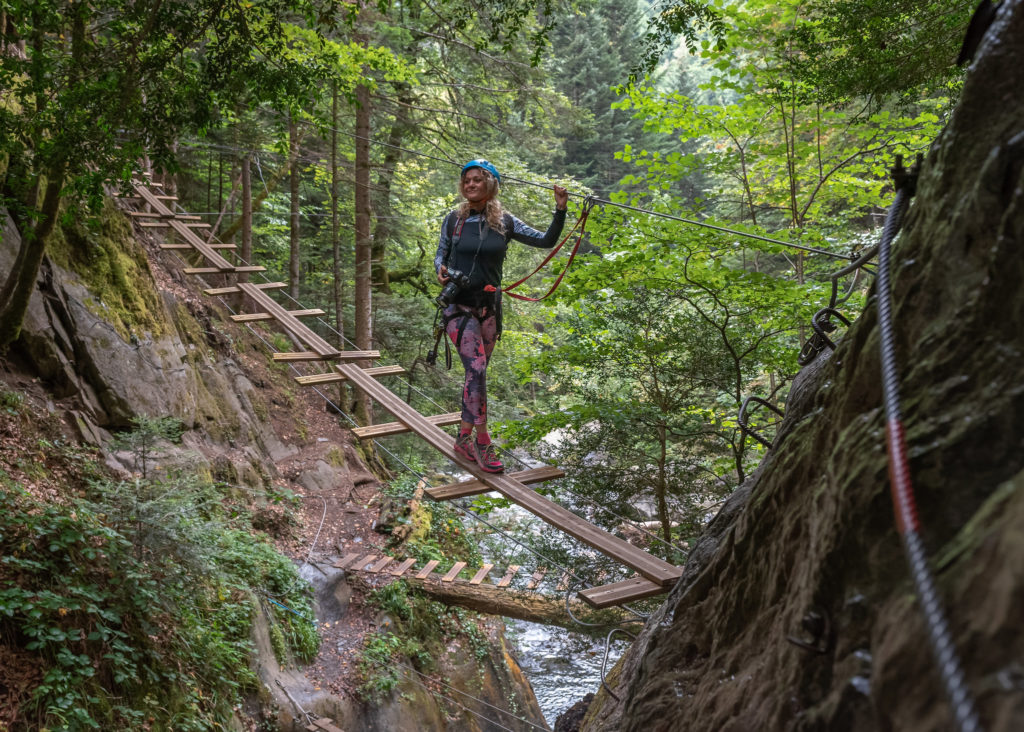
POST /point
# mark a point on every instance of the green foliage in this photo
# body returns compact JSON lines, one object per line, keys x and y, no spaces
{"x":144,"y":440}
{"x":11,"y":402}
{"x":138,"y":599}
{"x":420,"y":630}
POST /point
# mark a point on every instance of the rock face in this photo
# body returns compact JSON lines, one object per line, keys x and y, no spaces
{"x":808,"y":548}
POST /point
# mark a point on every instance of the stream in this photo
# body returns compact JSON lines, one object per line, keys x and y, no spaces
{"x":562,"y":666}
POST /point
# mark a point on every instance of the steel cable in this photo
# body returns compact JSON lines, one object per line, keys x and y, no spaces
{"x":904,"y":502}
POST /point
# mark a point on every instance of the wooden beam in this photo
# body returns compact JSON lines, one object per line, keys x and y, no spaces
{"x":232,"y":289}
{"x":619,"y":593}
{"x":397,"y":428}
{"x":655,"y":569}
{"x":291,"y":324}
{"x":479,"y":576}
{"x":453,"y":572}
{"x":230,"y":269}
{"x":336,"y":377}
{"x":314,"y":356}
{"x":475,"y":487}
{"x":189,"y":246}
{"x":252,"y":317}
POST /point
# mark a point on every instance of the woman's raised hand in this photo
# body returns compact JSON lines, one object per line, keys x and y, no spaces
{"x":561,"y":198}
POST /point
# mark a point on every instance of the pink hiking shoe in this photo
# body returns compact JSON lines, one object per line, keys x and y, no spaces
{"x":487,"y":458}
{"x":464,"y":447}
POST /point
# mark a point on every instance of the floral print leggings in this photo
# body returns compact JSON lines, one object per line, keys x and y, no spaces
{"x":479,"y":334}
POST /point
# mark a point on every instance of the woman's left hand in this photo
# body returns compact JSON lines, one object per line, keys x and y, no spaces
{"x":561,"y":198}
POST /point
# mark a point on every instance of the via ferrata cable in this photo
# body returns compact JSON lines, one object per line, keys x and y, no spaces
{"x":899,"y":474}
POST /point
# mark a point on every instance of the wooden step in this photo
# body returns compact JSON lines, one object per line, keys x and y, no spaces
{"x":332,"y":378}
{"x":397,"y":428}
{"x":337,"y":355}
{"x":425,"y":572}
{"x":476,"y":487}
{"x":360,"y":564}
{"x":510,"y":573}
{"x":252,"y":317}
{"x":402,"y":568}
{"x":166,"y":224}
{"x":453,"y":572}
{"x":293,"y":326}
{"x":232,"y":289}
{"x":346,"y":560}
{"x":618,"y":593}
{"x":481,"y":573}
{"x":230,"y":269}
{"x":653,"y":568}
{"x":536,"y":578}
{"x":380,"y":564}
{"x":218,"y":245}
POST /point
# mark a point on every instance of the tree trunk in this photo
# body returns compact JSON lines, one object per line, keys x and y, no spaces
{"x":363,"y":242}
{"x":339,"y":320}
{"x":21,"y":281}
{"x":392,"y":156}
{"x":294,"y":271}
{"x":532,"y":606}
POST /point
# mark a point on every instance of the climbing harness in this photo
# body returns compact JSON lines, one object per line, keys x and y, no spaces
{"x":581,"y":224}
{"x":899,"y":470}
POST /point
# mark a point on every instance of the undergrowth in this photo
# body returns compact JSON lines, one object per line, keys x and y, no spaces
{"x":135,"y":602}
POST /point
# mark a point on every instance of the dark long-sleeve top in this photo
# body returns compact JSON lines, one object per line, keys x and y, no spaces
{"x":482,"y":259}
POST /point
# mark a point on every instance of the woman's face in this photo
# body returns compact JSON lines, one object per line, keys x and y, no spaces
{"x":474,"y":186}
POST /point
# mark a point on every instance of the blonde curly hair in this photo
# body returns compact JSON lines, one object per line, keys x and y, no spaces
{"x":493,"y":212}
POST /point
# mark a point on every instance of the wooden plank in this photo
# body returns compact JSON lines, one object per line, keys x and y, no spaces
{"x":403,"y":567}
{"x":512,"y":571}
{"x":232,"y":289}
{"x":380,"y":564}
{"x":252,"y":317}
{"x":425,"y":572}
{"x":143,"y":214}
{"x":618,"y":593}
{"x":479,"y":576}
{"x":453,"y":572}
{"x":223,"y":270}
{"x":211,"y":256}
{"x":164,"y":197}
{"x":343,"y":562}
{"x":536,"y":578}
{"x":166,"y":224}
{"x":359,"y":564}
{"x":397,"y":428}
{"x":655,"y":569}
{"x":301,"y":356}
{"x":475,"y":487}
{"x":290,"y":323}
{"x":189,"y":246}
{"x":335,"y":377}
{"x":563,"y":581}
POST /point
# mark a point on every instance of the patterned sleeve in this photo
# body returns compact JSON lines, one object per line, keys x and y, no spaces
{"x":527,"y":235}
{"x":444,"y":244}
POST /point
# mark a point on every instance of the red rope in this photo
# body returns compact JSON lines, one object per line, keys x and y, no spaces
{"x":581,"y":224}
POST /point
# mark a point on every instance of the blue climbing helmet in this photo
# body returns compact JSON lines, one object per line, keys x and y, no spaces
{"x":483,"y":165}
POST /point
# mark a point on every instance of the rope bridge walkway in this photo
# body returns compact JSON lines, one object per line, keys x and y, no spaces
{"x":654,"y":575}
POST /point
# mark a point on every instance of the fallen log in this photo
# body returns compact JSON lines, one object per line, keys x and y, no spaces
{"x":532,"y":606}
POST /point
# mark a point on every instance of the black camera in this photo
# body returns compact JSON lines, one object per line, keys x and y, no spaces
{"x":457,"y":280}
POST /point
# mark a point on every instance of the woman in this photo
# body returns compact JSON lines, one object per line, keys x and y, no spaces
{"x":474,"y":240}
